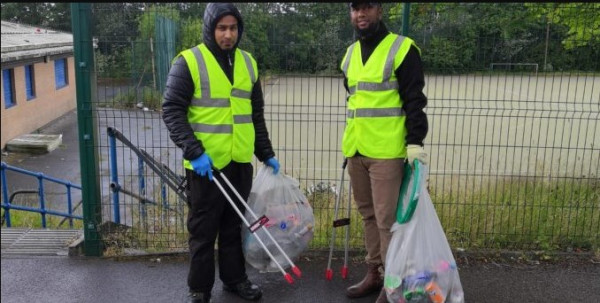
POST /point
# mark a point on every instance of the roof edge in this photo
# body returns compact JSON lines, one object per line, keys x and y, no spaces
{"x":24,"y":47}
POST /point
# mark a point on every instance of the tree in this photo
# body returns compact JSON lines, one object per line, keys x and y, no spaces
{"x":147,"y":20}
{"x":56,"y":16}
{"x":467,"y":36}
{"x":190,"y":33}
{"x":581,"y":19}
{"x":255,"y":37}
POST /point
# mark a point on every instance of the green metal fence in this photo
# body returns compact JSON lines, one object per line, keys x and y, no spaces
{"x":166,"y":40}
{"x":513,"y":109}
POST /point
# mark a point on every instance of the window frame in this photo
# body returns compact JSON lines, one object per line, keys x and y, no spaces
{"x":11,"y":78}
{"x":30,"y":69}
{"x":65,"y":72}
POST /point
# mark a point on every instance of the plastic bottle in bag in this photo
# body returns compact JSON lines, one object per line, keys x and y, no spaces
{"x":290,"y":220}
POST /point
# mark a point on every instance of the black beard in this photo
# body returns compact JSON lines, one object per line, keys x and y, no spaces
{"x":367,"y":32}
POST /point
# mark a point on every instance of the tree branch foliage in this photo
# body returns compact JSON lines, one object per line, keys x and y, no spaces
{"x":312,"y":37}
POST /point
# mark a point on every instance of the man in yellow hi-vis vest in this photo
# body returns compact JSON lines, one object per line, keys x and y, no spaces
{"x":213,"y":109}
{"x":385,"y":126}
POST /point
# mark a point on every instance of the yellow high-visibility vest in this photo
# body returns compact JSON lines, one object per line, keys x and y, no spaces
{"x":221,"y":113}
{"x":375,"y":120}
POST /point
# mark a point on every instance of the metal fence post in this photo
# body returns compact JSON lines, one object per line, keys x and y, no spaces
{"x":40,"y":178}
{"x":405,"y":18}
{"x":70,"y":204}
{"x":81,"y":16}
{"x":142,"y":191}
{"x":5,"y":195}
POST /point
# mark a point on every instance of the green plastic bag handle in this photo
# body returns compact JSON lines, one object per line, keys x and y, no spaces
{"x":401,"y":215}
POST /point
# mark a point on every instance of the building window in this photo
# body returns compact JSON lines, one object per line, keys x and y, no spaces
{"x":60,"y":73}
{"x":29,"y":82}
{"x":8,"y":79}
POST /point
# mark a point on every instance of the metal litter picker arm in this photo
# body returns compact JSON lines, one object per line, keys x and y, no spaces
{"x":337,"y":223}
{"x":286,"y":275}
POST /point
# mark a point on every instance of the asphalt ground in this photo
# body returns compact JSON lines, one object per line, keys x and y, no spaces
{"x":163,"y":279}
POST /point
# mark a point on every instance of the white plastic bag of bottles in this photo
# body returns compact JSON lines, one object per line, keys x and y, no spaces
{"x":420,"y":266}
{"x":290,"y":220}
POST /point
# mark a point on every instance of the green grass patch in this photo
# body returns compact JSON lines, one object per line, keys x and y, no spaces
{"x":323,"y":204}
{"x":512,"y":214}
{"x":522,"y":214}
{"x":28,"y":219}
{"x":156,"y":229}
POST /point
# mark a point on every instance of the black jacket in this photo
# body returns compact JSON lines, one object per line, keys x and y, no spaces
{"x":411,"y":82}
{"x":180,"y":90}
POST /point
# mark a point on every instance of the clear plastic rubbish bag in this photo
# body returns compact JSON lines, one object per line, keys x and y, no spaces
{"x":290,"y":220}
{"x":420,"y":266}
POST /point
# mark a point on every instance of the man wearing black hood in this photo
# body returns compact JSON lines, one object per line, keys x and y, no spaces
{"x":213,"y":109}
{"x":385,"y":127}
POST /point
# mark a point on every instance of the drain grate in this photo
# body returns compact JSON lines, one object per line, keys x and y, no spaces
{"x":38,"y":242}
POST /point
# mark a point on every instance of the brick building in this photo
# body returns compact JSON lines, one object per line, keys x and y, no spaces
{"x":38,"y":78}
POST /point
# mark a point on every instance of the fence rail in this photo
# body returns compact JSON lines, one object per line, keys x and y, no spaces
{"x":7,"y":201}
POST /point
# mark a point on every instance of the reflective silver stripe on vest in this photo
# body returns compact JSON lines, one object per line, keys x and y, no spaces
{"x":389,"y":62}
{"x":212,"y":129}
{"x":376,"y":112}
{"x":249,"y":66}
{"x":347,"y":62}
{"x":239,"y":119}
{"x":388,"y":69}
{"x":241,"y":93}
{"x":206,"y":100}
{"x":374,"y":87}
{"x":211,"y":102}
{"x":204,"y":81}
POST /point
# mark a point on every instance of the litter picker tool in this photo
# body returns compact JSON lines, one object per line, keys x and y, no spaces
{"x":338,"y":223}
{"x":253,"y":227}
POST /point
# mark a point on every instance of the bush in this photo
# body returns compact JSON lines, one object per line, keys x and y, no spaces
{"x":147,"y":96}
{"x":114,"y":65}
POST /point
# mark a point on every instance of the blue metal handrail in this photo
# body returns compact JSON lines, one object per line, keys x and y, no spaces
{"x":7,"y":205}
{"x":167,"y":176}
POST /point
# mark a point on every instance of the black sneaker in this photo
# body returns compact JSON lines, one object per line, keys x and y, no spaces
{"x":198,"y":297}
{"x":246,"y":290}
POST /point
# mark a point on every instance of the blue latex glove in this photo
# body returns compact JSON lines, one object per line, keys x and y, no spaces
{"x":272,"y":162}
{"x":203,"y":165}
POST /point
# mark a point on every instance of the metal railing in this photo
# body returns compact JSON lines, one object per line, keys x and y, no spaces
{"x":167,"y":177}
{"x":7,"y":202}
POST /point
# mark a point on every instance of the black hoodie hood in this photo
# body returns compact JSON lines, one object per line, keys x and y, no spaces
{"x":212,"y":14}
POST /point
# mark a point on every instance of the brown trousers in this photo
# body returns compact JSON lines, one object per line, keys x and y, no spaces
{"x":376,"y":187}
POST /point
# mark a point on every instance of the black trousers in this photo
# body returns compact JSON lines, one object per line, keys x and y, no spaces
{"x":211,"y":215}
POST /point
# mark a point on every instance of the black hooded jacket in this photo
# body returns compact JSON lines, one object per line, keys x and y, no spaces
{"x":411,"y":81}
{"x":180,"y":90}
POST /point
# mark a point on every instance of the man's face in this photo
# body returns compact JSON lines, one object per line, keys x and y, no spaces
{"x":226,"y":32}
{"x":364,"y":15}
